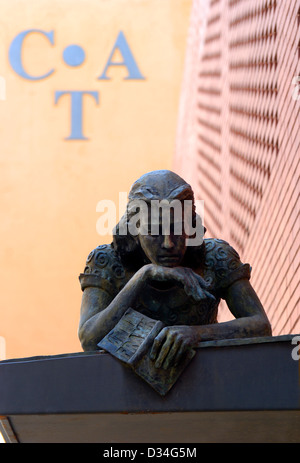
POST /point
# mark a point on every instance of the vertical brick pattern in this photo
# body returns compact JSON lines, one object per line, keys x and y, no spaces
{"x":242,"y":124}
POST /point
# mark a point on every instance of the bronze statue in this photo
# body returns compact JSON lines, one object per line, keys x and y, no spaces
{"x":160,"y":276}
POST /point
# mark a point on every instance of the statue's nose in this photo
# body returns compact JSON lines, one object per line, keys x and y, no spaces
{"x":167,"y":242}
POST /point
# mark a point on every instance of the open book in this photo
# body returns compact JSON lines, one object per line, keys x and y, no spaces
{"x":130,"y":341}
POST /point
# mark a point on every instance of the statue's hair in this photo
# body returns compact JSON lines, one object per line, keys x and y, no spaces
{"x":156,"y":185}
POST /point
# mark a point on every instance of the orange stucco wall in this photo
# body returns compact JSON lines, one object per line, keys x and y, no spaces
{"x":50,"y":186}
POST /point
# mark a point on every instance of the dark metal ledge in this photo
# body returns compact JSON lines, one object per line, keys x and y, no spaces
{"x":248,"y":387}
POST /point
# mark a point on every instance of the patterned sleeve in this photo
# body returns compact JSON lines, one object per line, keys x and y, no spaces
{"x":223,"y":262}
{"x":103,"y":270}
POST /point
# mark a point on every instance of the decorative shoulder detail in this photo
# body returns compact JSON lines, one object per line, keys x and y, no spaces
{"x":222,"y":264}
{"x":103,"y":269}
{"x":220,"y":250}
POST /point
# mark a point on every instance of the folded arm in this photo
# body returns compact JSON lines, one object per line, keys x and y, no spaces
{"x":174,"y":342}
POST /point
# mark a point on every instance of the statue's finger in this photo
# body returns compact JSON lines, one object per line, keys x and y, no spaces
{"x":202,"y":282}
{"x":209,"y":295}
{"x":192,"y":289}
{"x":184,"y":350}
{"x":157,"y":344}
{"x":165,"y":348}
{"x":169,"y":360}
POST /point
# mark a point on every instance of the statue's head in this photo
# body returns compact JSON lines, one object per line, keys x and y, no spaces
{"x":159,"y":219}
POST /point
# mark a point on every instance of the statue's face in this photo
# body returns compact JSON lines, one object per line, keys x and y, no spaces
{"x":166,"y":247}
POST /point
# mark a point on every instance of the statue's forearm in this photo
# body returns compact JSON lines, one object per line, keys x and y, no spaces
{"x":245,"y":327}
{"x":173,"y":342}
{"x":250,"y":317}
{"x":97,"y":326}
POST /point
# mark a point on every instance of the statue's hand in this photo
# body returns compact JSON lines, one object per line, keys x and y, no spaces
{"x":172,"y":345}
{"x":193,"y":284}
{"x":152,"y":272}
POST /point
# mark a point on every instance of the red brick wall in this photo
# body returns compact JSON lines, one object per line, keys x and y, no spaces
{"x":238,"y":140}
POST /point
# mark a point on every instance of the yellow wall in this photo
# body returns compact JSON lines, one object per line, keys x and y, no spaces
{"x":50,"y":186}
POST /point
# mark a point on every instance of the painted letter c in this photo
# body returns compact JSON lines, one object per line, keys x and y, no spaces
{"x":15,"y":53}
